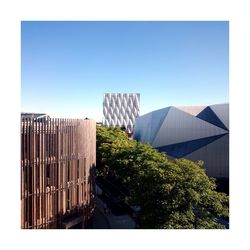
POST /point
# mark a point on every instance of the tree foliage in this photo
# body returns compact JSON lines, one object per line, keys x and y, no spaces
{"x":172,"y":193}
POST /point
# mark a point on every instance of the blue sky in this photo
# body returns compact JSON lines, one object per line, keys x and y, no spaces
{"x":68,"y":66}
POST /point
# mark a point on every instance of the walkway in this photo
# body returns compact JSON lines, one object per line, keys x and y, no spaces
{"x":110,"y":221}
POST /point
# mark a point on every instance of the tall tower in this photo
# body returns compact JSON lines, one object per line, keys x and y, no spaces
{"x":121,"y":109}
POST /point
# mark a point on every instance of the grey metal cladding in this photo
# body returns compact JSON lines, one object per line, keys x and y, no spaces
{"x":215,"y":156}
{"x":222,"y":112}
{"x":208,"y":115}
{"x":178,"y":132}
{"x":182,"y":149}
{"x":142,"y":132}
{"x":180,"y":126}
{"x":148,"y":126}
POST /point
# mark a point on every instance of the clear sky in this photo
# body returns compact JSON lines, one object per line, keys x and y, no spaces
{"x":68,"y":66}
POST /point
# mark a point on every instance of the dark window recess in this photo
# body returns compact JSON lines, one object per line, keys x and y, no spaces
{"x":77,"y":168}
{"x":47,"y":170}
{"x":68,"y":199}
{"x":84,"y":168}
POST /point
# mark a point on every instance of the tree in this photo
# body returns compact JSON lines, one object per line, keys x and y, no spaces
{"x":172,"y":193}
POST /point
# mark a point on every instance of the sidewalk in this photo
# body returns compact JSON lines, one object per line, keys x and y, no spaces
{"x":100,"y":221}
{"x":110,"y":221}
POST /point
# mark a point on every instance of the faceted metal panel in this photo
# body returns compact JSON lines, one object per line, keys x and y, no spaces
{"x":142,"y":131}
{"x":193,"y":133}
{"x":147,"y":128}
{"x":157,"y":120}
{"x":208,"y":115}
{"x":182,"y":149}
{"x":222,"y":111}
{"x":192,"y":110}
{"x":121,"y":109}
{"x":215,"y":157}
{"x":180,"y":126}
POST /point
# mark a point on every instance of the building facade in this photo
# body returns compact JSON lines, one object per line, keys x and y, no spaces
{"x":58,"y":158}
{"x":33,"y":115}
{"x":191,"y":132}
{"x":121,"y":110}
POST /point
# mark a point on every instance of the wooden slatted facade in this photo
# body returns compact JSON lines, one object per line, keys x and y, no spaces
{"x":58,"y":159}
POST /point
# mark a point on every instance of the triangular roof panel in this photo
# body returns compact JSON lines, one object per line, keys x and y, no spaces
{"x":179,"y":126}
{"x":157,"y":119}
{"x":208,"y":115}
{"x":222,"y":111}
{"x":192,"y":110}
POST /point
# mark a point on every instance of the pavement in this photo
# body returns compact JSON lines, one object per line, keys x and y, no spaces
{"x":100,"y":221}
{"x":107,"y":220}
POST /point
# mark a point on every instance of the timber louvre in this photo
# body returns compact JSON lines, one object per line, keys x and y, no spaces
{"x":58,"y":159}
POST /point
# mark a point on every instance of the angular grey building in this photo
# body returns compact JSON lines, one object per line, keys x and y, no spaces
{"x":121,"y":110}
{"x":191,"y":132}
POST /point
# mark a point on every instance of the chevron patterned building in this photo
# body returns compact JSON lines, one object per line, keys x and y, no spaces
{"x":121,"y":110}
{"x":191,"y":132}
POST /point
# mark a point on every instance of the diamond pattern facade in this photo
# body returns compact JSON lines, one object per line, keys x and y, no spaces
{"x":121,"y":109}
{"x":195,"y":133}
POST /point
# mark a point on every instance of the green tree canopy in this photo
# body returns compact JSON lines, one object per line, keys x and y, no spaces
{"x":172,"y":193}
